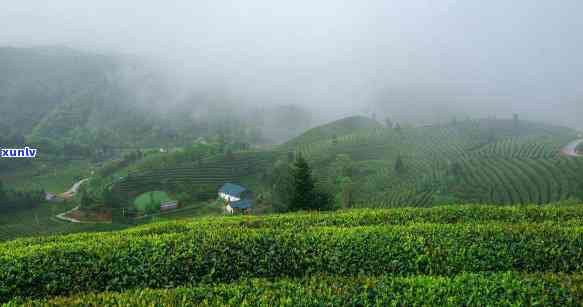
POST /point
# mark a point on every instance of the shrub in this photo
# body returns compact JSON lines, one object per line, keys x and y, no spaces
{"x":178,"y":254}
{"x":502,"y":289}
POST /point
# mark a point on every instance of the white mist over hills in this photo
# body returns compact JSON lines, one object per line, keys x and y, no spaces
{"x":418,"y":60}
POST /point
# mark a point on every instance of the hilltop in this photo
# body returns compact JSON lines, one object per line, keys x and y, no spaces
{"x":336,"y":128}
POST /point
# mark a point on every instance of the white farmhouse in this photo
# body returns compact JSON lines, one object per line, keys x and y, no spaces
{"x":236,"y":198}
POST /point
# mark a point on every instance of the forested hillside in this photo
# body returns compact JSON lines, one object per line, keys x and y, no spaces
{"x":51,"y":97}
{"x":33,"y":82}
{"x":79,"y":106}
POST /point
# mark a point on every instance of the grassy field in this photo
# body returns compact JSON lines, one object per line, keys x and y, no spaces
{"x":41,"y":221}
{"x":454,"y":255}
{"x":144,"y":200}
{"x":199,"y":209}
{"x":53,"y":177}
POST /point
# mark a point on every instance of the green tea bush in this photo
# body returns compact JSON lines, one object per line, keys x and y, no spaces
{"x":120,"y":261}
{"x":563,"y":214}
{"x":502,"y":289}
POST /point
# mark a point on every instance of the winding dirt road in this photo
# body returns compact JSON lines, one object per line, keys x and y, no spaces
{"x":73,"y":190}
{"x":69,"y":194}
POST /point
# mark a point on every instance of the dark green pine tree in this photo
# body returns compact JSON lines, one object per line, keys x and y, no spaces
{"x":86,"y":200}
{"x":2,"y":192}
{"x":112,"y":198}
{"x":399,"y":165}
{"x":304,"y":194}
{"x":397,"y":128}
{"x":516,"y":123}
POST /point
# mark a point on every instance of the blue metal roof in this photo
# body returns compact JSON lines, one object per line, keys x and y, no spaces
{"x":242,"y":204}
{"x":232,"y":189}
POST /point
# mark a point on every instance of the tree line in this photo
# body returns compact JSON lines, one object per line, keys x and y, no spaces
{"x":12,"y":200}
{"x":295,"y":189}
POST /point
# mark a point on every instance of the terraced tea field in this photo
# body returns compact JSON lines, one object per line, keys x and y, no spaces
{"x":466,"y":255}
{"x":213,"y":171}
{"x":485,"y":161}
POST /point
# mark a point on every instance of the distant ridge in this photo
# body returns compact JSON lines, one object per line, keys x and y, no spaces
{"x":337,"y":128}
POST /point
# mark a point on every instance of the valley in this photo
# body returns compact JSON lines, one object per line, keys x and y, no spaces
{"x":291,"y":153}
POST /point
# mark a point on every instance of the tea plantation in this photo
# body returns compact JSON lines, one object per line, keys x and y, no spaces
{"x":451,"y":255}
{"x":474,"y":161}
{"x":484,"y":161}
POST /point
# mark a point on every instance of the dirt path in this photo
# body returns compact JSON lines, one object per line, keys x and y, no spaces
{"x":63,"y":216}
{"x":73,"y":190}
{"x":69,"y":194}
{"x":571,"y":149}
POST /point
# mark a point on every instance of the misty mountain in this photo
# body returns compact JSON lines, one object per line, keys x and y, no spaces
{"x":53,"y":95}
{"x":35,"y":81}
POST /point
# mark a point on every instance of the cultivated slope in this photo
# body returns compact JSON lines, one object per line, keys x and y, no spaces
{"x":493,"y":161}
{"x":465,"y":254}
{"x":485,"y":161}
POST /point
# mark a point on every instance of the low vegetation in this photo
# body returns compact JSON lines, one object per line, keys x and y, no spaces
{"x":12,"y":200}
{"x":399,"y":249}
{"x":460,"y":290}
{"x":149,"y":202}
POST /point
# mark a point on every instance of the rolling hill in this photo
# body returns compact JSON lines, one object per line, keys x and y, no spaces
{"x":482,"y":212}
{"x":483,"y":161}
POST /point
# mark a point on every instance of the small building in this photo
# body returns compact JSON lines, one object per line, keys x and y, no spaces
{"x":53,"y":198}
{"x":242,"y":206}
{"x":201,"y":140}
{"x":168,"y":205}
{"x":237,"y":199}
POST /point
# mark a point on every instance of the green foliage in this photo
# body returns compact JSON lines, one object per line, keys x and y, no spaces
{"x":399,"y":165}
{"x":40,"y":221}
{"x":212,"y":171}
{"x":283,"y":189}
{"x":12,"y":200}
{"x":501,"y":289}
{"x":303,"y":195}
{"x":2,"y":192}
{"x":149,"y":202}
{"x":85,"y":200}
{"x":485,"y":161}
{"x":398,"y":242}
{"x":340,"y":127}
{"x":343,"y":166}
{"x":110,"y":199}
{"x":345,"y":196}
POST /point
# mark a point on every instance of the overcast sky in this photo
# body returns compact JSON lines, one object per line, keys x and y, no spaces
{"x":412,"y":58}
